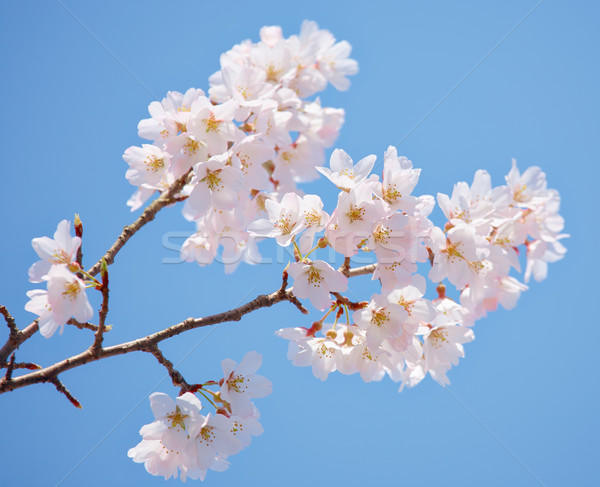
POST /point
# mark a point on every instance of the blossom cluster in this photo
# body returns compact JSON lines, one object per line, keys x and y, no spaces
{"x":183,"y":439}
{"x":400,"y":332}
{"x":65,"y":296}
{"x":238,"y":153}
{"x":252,"y":138}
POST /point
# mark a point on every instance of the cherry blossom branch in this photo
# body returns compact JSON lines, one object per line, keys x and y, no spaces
{"x":169,"y":197}
{"x":97,"y":345}
{"x":345,"y":267}
{"x":176,"y":377}
{"x":351,"y":304}
{"x":85,"y":326}
{"x":22,"y":365}
{"x":79,"y":233}
{"x":12,"y":326}
{"x":10,"y":367}
{"x":60,"y":387}
{"x":147,"y":343}
{"x":359,"y":271}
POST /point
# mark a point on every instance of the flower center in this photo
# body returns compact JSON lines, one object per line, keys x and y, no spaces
{"x":212,"y":124}
{"x":273,"y":73}
{"x":380,"y":317}
{"x":285,"y":224}
{"x":312,"y":218}
{"x":236,"y":382}
{"x":206,"y":435}
{"x":314,"y":277}
{"x":355,"y":213}
{"x":176,"y":419}
{"x":60,"y":257}
{"x":191,"y":146}
{"x":71,"y":290}
{"x":382,"y":234}
{"x":438,"y":337}
{"x":391,"y":194}
{"x":407,"y":305}
{"x":519,"y":193}
{"x":154,"y":163}
{"x":212,"y":179}
{"x":452,"y":251}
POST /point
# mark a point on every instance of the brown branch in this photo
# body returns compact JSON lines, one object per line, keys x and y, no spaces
{"x":345,"y":267}
{"x":9,"y":368}
{"x":79,"y":233}
{"x":60,"y":387}
{"x":51,"y":372}
{"x":21,"y":365}
{"x":85,"y":326}
{"x":176,"y":377}
{"x":96,"y":347}
{"x":10,"y":321}
{"x":353,"y":306}
{"x":359,"y":271}
{"x":165,"y":199}
{"x":15,"y":339}
{"x":294,"y":300}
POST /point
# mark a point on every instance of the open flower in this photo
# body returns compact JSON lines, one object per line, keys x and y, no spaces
{"x":343,"y":173}
{"x":65,"y":298}
{"x":315,"y":280}
{"x":241,"y":384}
{"x":61,"y":250}
{"x":286,"y":219}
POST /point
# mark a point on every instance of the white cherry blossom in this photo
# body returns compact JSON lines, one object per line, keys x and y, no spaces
{"x":241,"y":384}
{"x":65,"y":298}
{"x":315,"y":280}
{"x":286,"y":219}
{"x":343,"y":173}
{"x":60,"y":250}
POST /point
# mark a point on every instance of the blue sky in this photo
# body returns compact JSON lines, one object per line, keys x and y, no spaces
{"x":522,"y":404}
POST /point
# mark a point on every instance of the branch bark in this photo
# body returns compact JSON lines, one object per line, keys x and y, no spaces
{"x":147,"y":343}
{"x":360,"y":271}
{"x":169,"y":197}
{"x":165,"y":199}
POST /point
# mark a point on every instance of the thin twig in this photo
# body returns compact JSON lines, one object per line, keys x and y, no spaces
{"x":79,"y":233}
{"x":176,"y":377}
{"x":60,"y":387}
{"x":345,"y":267}
{"x":85,"y":326}
{"x":9,"y":368}
{"x":351,"y":304}
{"x":97,"y":345}
{"x":47,"y":374}
{"x":10,"y":321}
{"x":359,"y":271}
{"x":294,"y":300}
{"x":165,"y":199}
{"x":15,"y":339}
{"x":22,"y":365}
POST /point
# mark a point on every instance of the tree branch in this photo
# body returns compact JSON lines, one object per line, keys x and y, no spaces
{"x":96,"y":347}
{"x":60,"y":387}
{"x":165,"y":199}
{"x":50,"y":374}
{"x":86,"y":326}
{"x":17,"y":337}
{"x":21,"y":365}
{"x":10,"y":321}
{"x":176,"y":377}
{"x":359,"y":271}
